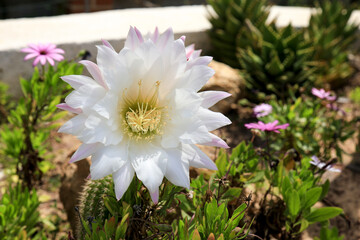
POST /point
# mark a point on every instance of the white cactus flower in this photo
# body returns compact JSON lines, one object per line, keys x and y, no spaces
{"x":141,"y":112}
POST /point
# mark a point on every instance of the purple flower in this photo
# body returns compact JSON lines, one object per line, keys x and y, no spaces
{"x":316,"y":162}
{"x":43,"y":53}
{"x":270,"y":127}
{"x":334,"y":107}
{"x":262,"y":110}
{"x":322,"y":94}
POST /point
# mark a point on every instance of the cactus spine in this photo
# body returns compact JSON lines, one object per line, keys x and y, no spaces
{"x":92,"y":207}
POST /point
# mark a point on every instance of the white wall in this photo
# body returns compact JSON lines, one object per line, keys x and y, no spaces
{"x":82,"y":31}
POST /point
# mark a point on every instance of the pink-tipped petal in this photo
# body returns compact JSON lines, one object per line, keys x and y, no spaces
{"x":66,"y":107}
{"x":216,"y":142}
{"x":183,"y":39}
{"x":139,"y":35}
{"x":77,"y":81}
{"x":95,"y":72}
{"x":189,"y":50}
{"x":212,"y":97}
{"x":155,"y":196}
{"x":84,"y":151}
{"x":198,"y":158}
{"x":106,"y":43}
{"x":132,"y":40}
{"x":155,"y":36}
{"x":166,"y":38}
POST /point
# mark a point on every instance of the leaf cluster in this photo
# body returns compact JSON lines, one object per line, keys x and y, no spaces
{"x":19,"y":216}
{"x":30,"y":123}
{"x":314,"y":128}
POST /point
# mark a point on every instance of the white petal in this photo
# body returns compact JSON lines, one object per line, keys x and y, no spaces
{"x":197,"y":158}
{"x":66,"y":107}
{"x":95,"y":72}
{"x":74,"y":125}
{"x":84,"y":151}
{"x":108,"y":160}
{"x":166,"y":38}
{"x":85,"y":97}
{"x":113,"y":68}
{"x":122,"y":179}
{"x":212,"y":97}
{"x":107,"y":106}
{"x":148,"y":52}
{"x":77,"y":81}
{"x":212,"y":120}
{"x":106,"y":43}
{"x":216,"y":142}
{"x":199,"y":136}
{"x":134,"y":38}
{"x":155,"y":196}
{"x":205,"y":60}
{"x":149,"y":163}
{"x":97,"y":130}
{"x":186,"y":103}
{"x":177,"y":169}
{"x":197,"y":76}
{"x":155,"y":36}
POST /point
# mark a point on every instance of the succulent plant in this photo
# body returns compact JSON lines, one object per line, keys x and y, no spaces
{"x":274,"y":59}
{"x":228,"y":23}
{"x":19,"y":215}
{"x":92,"y":206}
{"x":332,"y":36}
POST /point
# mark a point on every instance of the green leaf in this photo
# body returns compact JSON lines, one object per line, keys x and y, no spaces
{"x":222,"y":163}
{"x":304,"y":224}
{"x":232,"y":193}
{"x":323,"y":214}
{"x":293,"y":202}
{"x":311,"y":197}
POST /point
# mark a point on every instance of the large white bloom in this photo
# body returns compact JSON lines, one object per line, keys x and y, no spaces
{"x":141,"y":112}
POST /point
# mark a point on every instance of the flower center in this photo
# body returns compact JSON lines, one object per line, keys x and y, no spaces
{"x":142,"y":117}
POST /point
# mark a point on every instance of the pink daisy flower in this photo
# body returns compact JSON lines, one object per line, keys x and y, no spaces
{"x":269,"y":127}
{"x":322,"y":94}
{"x":43,"y":53}
{"x":262,"y":110}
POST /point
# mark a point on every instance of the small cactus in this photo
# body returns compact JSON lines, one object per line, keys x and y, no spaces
{"x":92,"y":207}
{"x":228,"y":23}
{"x":273,"y":59}
{"x":332,"y":35}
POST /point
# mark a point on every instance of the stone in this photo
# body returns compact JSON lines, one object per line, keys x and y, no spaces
{"x":225,"y":79}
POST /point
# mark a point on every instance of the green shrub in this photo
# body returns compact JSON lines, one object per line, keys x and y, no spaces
{"x":19,"y":217}
{"x":274,"y":60}
{"x":332,"y":37}
{"x":228,"y":24}
{"x":24,"y":138}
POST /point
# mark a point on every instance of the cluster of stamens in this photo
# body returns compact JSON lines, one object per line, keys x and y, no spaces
{"x":142,"y":118}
